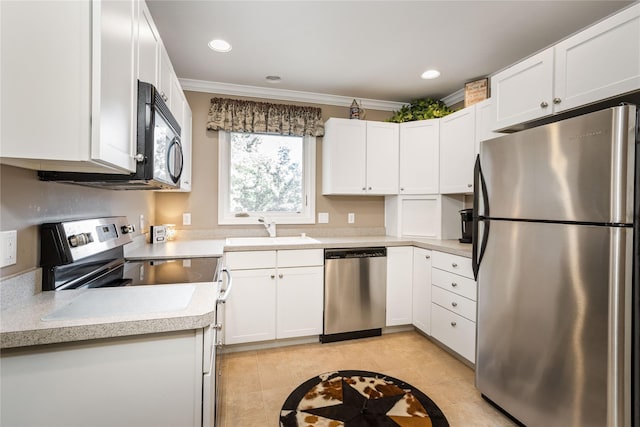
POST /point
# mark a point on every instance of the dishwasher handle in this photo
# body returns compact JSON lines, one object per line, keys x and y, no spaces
{"x":355,"y":253}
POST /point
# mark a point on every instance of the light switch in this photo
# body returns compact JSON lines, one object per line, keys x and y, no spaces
{"x":8,"y":247}
{"x":186,"y":218}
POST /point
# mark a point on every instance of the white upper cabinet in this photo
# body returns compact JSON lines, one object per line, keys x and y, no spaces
{"x":165,"y":74}
{"x":419,"y":157}
{"x":457,"y":151}
{"x":148,"y":47}
{"x":68,"y":95}
{"x":485,"y":122}
{"x":360,"y":157}
{"x":600,"y":62}
{"x":187,"y":148}
{"x":382,"y":158}
{"x":524,"y":91}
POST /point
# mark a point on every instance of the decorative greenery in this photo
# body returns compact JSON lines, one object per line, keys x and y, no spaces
{"x":421,"y":109}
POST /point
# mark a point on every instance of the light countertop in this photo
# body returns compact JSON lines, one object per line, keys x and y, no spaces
{"x":23,"y":325}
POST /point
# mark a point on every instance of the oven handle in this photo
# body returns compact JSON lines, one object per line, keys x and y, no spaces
{"x":223,"y":298}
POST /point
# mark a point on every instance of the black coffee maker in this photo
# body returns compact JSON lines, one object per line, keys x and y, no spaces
{"x":466,"y":222}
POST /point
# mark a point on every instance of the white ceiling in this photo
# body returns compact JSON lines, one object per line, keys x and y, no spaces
{"x":363,"y":49}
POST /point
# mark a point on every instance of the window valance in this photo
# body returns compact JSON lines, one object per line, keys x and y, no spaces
{"x":261,"y":117}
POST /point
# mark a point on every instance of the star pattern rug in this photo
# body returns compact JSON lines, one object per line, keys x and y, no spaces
{"x":359,"y":399}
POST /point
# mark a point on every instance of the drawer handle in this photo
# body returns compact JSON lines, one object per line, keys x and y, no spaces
{"x":454,"y":265}
{"x":427,"y":256}
{"x":453,"y":324}
{"x":454,"y":304}
{"x":454,"y":284}
{"x":273,"y":276}
{"x":544,"y":104}
{"x":280,"y":275}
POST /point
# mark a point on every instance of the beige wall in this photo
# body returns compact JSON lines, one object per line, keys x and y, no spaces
{"x":202,"y":202}
{"x":26,"y":202}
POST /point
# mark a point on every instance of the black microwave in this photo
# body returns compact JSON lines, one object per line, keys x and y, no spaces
{"x":159,"y":151}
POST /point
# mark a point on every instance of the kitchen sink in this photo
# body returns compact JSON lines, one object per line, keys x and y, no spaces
{"x":258,"y":241}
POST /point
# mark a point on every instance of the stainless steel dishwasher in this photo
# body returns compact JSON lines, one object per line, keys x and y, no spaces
{"x":355,"y":293}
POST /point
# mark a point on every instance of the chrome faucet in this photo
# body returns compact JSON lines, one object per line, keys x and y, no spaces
{"x":269,"y":225}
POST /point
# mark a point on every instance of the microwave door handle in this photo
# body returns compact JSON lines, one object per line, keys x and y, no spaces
{"x":178,"y":159}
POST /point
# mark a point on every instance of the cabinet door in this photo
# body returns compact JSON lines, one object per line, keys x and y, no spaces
{"x":250,"y":309}
{"x":419,"y":157}
{"x":148,"y":42}
{"x":114,"y":91}
{"x":399,"y":285}
{"x":165,"y":71}
{"x":299,"y":302}
{"x":343,"y":157}
{"x":454,"y":331}
{"x":382,"y":157}
{"x":422,"y":289}
{"x":176,"y":100}
{"x":485,"y":123}
{"x":599,"y":62}
{"x":457,"y":151}
{"x":524,"y":91}
{"x":187,"y":148}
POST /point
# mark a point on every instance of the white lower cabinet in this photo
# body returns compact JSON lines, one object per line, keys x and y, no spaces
{"x":422,"y":290}
{"x":149,"y":380}
{"x":276,"y":294}
{"x":399,"y":285}
{"x":453,"y":304}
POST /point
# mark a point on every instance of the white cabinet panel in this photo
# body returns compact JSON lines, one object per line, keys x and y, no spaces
{"x":454,"y":303}
{"x":422,"y":290}
{"x":105,"y":383}
{"x":452,"y":282}
{"x":457,"y":151}
{"x":360,"y":157}
{"x":187,"y":148}
{"x":399,"y":285}
{"x":382,"y":158}
{"x":419,"y":157}
{"x":148,"y":46}
{"x":430,"y":216}
{"x":599,"y":62}
{"x":453,"y":263}
{"x":165,"y":73}
{"x":454,"y":331}
{"x":250,"y":311}
{"x":250,"y":260}
{"x":524,"y":91}
{"x":300,"y":257}
{"x":299,"y":302}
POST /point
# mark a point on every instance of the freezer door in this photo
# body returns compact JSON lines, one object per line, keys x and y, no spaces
{"x":580,"y":169}
{"x":551,"y":326}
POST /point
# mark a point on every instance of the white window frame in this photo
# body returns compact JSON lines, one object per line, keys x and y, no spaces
{"x":307,"y":216}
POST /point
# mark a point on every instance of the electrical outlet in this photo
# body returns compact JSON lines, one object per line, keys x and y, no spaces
{"x":351,"y":218}
{"x":323,"y":217}
{"x":141,"y":228}
{"x":8,"y":247}
{"x":186,"y":218}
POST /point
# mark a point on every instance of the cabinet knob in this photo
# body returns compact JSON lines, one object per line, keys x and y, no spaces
{"x":218,"y":326}
{"x":557,"y":100}
{"x":401,"y":189}
{"x":369,"y":188}
{"x":544,"y":104}
{"x":427,"y":256}
{"x":273,"y":276}
{"x":453,"y":324}
{"x":364,"y":188}
{"x":469,"y":185}
{"x":280,"y":275}
{"x":454,"y":304}
{"x":454,"y":284}
{"x":454,"y":265}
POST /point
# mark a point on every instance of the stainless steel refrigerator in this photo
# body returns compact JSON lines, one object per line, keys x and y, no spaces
{"x":556,"y":259}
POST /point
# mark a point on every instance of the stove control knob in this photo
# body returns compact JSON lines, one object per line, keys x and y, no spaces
{"x":80,"y":239}
{"x":126,"y":229}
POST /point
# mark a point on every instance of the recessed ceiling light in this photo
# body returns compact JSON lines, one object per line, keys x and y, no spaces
{"x":273,"y":79}
{"x":430,"y":74}
{"x":220,"y":45}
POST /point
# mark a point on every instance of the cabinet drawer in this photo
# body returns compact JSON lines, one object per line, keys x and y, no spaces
{"x":454,"y":302}
{"x":250,"y":260}
{"x":453,"y":263}
{"x":300,"y":257}
{"x":454,"y":283}
{"x":454,"y":331}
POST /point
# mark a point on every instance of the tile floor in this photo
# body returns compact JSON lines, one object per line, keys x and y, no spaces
{"x":258,"y":382}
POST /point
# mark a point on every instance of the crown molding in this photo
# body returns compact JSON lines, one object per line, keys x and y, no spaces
{"x":286,"y":95}
{"x":454,"y":98}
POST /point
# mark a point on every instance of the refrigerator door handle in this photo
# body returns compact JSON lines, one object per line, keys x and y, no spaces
{"x":478,"y":253}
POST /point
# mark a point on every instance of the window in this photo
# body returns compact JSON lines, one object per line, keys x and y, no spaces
{"x":266,"y":175}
